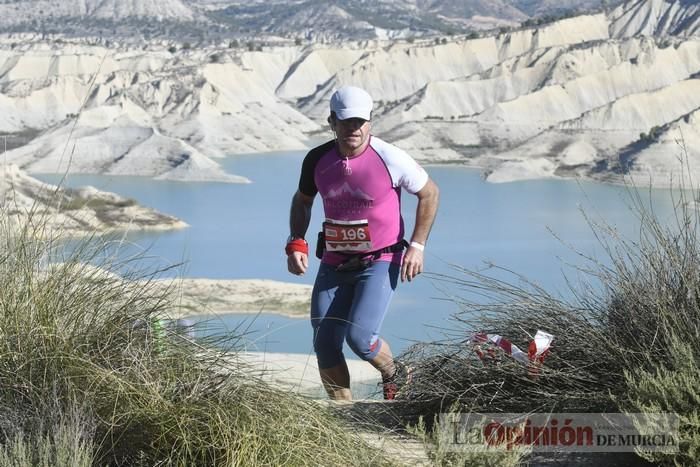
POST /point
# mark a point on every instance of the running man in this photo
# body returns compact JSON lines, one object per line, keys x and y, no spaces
{"x":359,"y":178}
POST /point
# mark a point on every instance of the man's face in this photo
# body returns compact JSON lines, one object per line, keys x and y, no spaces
{"x":352,"y":134}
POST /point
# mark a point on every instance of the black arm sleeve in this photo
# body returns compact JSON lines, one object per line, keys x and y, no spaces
{"x":307,"y":184}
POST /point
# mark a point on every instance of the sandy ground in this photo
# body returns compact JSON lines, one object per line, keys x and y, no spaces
{"x":200,"y":297}
{"x":299,"y":373}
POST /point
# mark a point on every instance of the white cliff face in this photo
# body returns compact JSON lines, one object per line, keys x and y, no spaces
{"x":145,"y":113}
{"x":656,"y":17}
{"x":651,"y":155}
{"x":60,"y":211}
{"x":581,"y":96}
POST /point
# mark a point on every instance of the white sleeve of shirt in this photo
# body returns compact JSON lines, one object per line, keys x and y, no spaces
{"x":403,"y":169}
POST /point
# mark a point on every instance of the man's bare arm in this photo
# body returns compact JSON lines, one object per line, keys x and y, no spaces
{"x":428,"y":200}
{"x":299,"y":219}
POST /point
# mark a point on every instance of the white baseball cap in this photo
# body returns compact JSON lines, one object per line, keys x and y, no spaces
{"x":351,"y":102}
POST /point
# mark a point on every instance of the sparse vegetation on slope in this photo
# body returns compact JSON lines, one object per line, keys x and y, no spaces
{"x":87,"y":379}
{"x":627,"y":340}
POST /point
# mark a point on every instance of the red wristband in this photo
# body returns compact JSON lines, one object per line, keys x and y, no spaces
{"x":298,"y":244}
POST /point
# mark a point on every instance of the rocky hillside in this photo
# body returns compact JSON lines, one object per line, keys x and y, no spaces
{"x":594,"y":95}
{"x":210,"y":20}
{"x":86,"y":210}
{"x":656,"y":18}
{"x":360,"y":19}
{"x":19,"y":11}
{"x":133,"y":112}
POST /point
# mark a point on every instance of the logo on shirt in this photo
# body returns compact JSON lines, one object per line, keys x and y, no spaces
{"x":347,"y":198}
{"x":347,"y":189}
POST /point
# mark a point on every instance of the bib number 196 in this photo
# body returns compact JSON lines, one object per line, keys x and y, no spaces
{"x":347,"y":235}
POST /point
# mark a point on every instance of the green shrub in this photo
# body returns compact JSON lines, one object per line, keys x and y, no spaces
{"x":670,"y":389}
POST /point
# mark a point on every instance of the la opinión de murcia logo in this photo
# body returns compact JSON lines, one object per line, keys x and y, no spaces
{"x":572,"y":432}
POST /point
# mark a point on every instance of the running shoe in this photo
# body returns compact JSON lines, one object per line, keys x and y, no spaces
{"x":392,"y":386}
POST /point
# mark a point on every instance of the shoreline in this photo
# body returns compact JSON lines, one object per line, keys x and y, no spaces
{"x":196,"y":297}
{"x":492,"y":169}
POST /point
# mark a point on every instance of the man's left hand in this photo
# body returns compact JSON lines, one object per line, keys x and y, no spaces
{"x":412,"y":264}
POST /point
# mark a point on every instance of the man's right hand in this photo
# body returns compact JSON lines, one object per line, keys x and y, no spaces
{"x":297,"y":263}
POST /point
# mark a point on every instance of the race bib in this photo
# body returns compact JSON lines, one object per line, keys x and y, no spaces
{"x":347,"y":235}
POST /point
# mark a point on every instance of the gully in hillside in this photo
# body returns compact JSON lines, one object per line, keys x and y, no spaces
{"x":359,"y":178}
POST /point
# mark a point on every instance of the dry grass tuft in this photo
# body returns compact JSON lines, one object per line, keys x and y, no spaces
{"x":88,"y":378}
{"x":627,"y":340}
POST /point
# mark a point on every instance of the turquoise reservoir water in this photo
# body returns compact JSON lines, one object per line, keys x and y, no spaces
{"x":238,"y":231}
